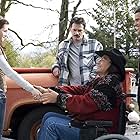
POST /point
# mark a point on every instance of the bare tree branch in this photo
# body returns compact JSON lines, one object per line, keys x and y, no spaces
{"x":41,"y":44}
{"x":75,"y":8}
{"x":8,"y":6}
{"x":30,"y":5}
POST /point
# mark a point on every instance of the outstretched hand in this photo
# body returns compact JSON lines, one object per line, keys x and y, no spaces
{"x":36,"y":94}
{"x":49,"y":96}
{"x":46,"y":96}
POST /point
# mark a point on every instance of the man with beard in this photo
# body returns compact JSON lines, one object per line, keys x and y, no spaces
{"x":75,"y":60}
{"x":137,"y":26}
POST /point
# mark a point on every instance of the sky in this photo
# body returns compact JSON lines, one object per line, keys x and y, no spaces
{"x":32,"y":24}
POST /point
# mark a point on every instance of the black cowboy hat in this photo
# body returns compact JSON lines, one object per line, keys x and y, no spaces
{"x":117,"y":59}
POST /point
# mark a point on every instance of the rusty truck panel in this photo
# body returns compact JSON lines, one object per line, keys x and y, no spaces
{"x":17,"y":97}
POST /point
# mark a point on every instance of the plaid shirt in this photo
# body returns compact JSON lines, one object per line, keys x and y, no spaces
{"x":86,"y":59}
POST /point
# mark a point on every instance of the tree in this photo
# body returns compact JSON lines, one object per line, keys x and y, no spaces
{"x":116,"y":26}
{"x":63,"y":20}
{"x":11,"y":54}
{"x":37,"y":60}
{"x":114,"y":18}
{"x":64,"y":13}
{"x":5,"y":5}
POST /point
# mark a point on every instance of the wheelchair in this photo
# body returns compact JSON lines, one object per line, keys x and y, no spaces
{"x":97,"y":130}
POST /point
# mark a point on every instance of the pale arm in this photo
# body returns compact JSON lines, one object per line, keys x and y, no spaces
{"x":7,"y":69}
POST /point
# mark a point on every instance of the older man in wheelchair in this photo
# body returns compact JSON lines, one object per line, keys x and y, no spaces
{"x":92,"y":110}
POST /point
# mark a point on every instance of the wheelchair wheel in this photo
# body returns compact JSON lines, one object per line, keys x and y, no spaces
{"x":112,"y":137}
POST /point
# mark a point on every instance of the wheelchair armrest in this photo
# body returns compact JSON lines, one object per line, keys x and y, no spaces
{"x":130,"y":95}
{"x":90,"y":123}
{"x":98,"y":123}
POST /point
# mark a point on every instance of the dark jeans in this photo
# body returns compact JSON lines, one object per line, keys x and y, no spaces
{"x":139,"y":95}
{"x":2,"y":110}
{"x":56,"y":126}
{"x":138,"y":84}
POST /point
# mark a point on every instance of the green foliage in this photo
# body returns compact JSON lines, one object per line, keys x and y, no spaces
{"x":132,"y":63}
{"x":12,"y":55}
{"x":38,"y":60}
{"x":115,"y":18}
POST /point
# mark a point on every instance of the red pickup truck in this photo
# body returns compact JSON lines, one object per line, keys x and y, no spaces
{"x":23,"y":113}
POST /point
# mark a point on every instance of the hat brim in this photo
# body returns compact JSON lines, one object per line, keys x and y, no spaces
{"x":101,"y":53}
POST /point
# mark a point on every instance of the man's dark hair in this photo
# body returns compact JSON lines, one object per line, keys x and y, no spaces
{"x":137,"y":10}
{"x":78,"y":20}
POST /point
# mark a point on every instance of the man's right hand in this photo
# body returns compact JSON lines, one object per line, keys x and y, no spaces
{"x":56,"y":72}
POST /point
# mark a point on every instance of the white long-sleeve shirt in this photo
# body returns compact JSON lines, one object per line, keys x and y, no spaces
{"x":8,"y":71}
